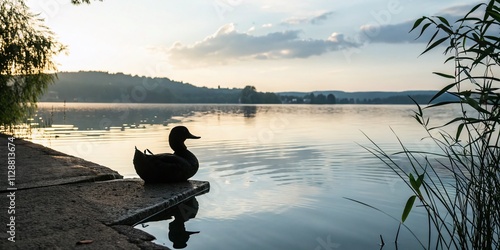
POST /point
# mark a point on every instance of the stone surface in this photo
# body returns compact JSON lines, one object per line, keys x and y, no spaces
{"x":39,"y":166}
{"x":85,"y":212}
{"x":128,"y":201}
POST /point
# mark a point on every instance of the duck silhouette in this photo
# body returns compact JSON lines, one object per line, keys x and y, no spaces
{"x":176,"y":167}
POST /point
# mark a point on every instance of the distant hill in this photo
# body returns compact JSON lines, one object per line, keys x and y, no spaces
{"x":376,"y":97}
{"x":95,"y":86}
{"x":363,"y":94}
{"x":105,"y":87}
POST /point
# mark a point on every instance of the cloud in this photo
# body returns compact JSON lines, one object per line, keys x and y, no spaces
{"x":320,"y":18}
{"x":391,"y":33}
{"x":227,"y":44}
{"x":315,"y":19}
{"x":400,"y":32}
{"x":456,"y":11}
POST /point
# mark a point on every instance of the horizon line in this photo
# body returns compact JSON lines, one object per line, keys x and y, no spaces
{"x":311,"y":91}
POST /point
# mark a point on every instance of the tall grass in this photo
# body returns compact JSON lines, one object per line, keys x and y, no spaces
{"x":463,"y":213}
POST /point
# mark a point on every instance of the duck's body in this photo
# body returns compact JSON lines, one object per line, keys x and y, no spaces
{"x":179,"y":166}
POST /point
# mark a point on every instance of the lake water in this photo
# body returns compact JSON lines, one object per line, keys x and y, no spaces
{"x":279,"y":174}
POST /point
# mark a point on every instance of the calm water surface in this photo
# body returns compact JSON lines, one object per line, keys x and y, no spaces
{"x":278,"y":173}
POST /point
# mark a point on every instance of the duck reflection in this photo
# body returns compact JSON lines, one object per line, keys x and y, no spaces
{"x":182,"y":213}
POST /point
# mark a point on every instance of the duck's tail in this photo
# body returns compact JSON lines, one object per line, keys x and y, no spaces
{"x":146,"y":151}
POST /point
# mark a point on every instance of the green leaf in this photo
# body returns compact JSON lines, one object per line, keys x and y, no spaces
{"x":432,"y":38}
{"x":459,"y":131}
{"x":473,"y":9}
{"x":419,"y":113}
{"x":449,"y":59}
{"x":474,"y":104}
{"x":494,"y":38}
{"x":442,"y":91}
{"x":457,"y":119}
{"x":495,"y":15}
{"x":420,"y":180}
{"x":415,"y":184}
{"x":486,"y":52}
{"x":436,"y":43}
{"x":408,"y":207}
{"x":423,"y":29}
{"x":445,"y":28}
{"x":418,"y":183}
{"x":443,"y":20}
{"x":412,"y":180}
{"x":418,"y":119}
{"x":489,"y":7}
{"x":444,"y":75}
{"x":417,"y":23}
{"x":470,"y":19}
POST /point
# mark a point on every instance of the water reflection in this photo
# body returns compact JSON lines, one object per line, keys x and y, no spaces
{"x":102,"y":116}
{"x":268,"y":165}
{"x":249,"y":111}
{"x":181,"y":213}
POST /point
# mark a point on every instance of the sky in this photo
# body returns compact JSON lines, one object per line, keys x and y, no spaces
{"x":273,"y":45}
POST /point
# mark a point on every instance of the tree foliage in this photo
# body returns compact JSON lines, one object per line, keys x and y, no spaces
{"x":27,"y":49}
{"x":76,"y":2}
{"x":249,"y":95}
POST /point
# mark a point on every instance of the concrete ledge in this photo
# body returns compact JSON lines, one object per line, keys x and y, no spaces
{"x":64,"y":202}
{"x":39,"y":166}
{"x":129,"y":201}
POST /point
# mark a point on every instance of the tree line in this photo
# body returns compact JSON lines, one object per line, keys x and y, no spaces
{"x":96,"y":86}
{"x":332,"y":99}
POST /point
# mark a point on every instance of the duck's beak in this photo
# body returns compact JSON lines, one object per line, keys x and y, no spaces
{"x":190,"y":136}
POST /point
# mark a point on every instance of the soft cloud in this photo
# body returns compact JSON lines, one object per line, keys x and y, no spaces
{"x":456,"y":11}
{"x":320,"y":18}
{"x":400,"y":32}
{"x":336,"y":37}
{"x":227,"y":44}
{"x":314,"y":19}
{"x":392,"y":33}
{"x":295,"y":20}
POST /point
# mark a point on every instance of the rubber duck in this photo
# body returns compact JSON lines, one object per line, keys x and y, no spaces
{"x":176,"y":167}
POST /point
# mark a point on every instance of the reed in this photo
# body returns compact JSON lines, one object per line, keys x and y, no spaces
{"x":463,"y":211}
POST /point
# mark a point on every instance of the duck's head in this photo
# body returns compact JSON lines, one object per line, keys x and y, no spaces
{"x":177,"y":137}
